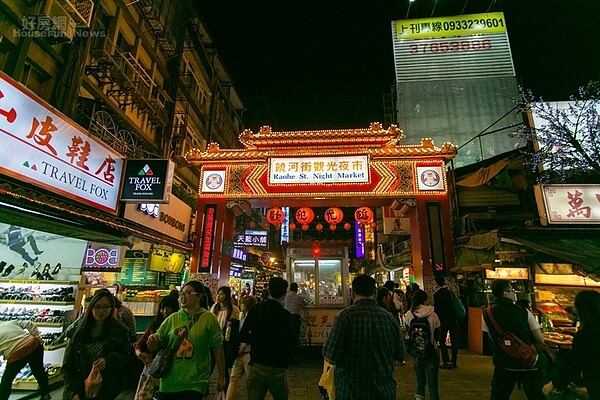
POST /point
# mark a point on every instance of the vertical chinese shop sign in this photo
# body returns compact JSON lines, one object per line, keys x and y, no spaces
{"x":41,"y":146}
{"x":208,"y":233}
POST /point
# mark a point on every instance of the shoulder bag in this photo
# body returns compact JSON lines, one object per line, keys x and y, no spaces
{"x":162,"y":362}
{"x":523,"y":353}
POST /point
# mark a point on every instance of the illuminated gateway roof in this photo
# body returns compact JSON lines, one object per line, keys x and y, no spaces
{"x":375,"y":141}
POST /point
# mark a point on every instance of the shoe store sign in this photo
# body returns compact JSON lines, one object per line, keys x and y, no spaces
{"x":147,"y":181}
{"x":41,"y":146}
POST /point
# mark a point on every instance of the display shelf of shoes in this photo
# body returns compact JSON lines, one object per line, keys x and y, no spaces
{"x":45,"y":303}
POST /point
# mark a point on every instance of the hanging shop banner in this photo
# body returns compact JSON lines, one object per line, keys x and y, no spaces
{"x":166,"y":261}
{"x":568,"y":204}
{"x":238,"y":254}
{"x":171,"y":219}
{"x":468,"y":46}
{"x":147,"y":181}
{"x":395,"y":222}
{"x":359,"y":239}
{"x":510,"y":273}
{"x":41,"y":146}
{"x":207,"y":242}
{"x":250,"y":240}
{"x":318,"y":170}
{"x":100,"y":257}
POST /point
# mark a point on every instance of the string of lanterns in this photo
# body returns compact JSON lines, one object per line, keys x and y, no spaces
{"x":333,"y":216}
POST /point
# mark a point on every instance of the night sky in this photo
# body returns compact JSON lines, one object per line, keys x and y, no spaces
{"x":326,"y":64}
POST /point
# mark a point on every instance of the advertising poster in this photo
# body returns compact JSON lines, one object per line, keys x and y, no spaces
{"x":26,"y":252}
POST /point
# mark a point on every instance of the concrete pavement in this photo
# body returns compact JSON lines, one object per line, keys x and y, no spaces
{"x":469,"y":381}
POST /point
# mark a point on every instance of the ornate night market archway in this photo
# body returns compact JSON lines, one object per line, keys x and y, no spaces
{"x":326,"y":168}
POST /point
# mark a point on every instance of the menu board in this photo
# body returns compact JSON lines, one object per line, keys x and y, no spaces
{"x":134,"y":272}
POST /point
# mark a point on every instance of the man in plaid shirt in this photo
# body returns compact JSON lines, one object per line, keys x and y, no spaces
{"x":363,"y":344}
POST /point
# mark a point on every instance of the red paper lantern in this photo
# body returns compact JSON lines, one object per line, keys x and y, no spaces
{"x":292,"y":226}
{"x":332,"y":227}
{"x":304,"y":227}
{"x":275,"y":216}
{"x":334,"y":215}
{"x":347,"y":226}
{"x":364,"y":215}
{"x":373,"y":225}
{"x":252,"y":224}
{"x":319,"y":227}
{"x":305,"y":215}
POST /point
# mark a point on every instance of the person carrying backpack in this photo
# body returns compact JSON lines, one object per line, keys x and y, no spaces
{"x":422,"y":334}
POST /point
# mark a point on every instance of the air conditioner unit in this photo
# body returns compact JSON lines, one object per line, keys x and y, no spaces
{"x":53,"y":22}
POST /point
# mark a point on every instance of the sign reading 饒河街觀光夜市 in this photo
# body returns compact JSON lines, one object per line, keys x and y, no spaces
{"x":147,"y":180}
{"x":318,"y":170}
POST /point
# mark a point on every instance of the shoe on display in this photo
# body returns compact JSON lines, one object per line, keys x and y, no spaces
{"x":22,"y":269}
{"x":56,"y":269}
{"x":9,"y":269}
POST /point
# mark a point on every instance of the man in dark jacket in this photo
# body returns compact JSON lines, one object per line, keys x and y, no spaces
{"x":442,"y":302}
{"x":268,"y":329}
{"x":519,"y":321}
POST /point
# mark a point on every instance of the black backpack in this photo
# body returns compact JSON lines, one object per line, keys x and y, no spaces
{"x":418,"y":338}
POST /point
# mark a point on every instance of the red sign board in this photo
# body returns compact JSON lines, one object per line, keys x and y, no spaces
{"x":210,"y":214}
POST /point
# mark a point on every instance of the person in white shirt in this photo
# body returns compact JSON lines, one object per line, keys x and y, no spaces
{"x":21,"y":344}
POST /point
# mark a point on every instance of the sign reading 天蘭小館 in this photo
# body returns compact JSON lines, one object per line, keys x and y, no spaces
{"x":319,"y":170}
{"x":41,"y":146}
{"x":147,"y":181}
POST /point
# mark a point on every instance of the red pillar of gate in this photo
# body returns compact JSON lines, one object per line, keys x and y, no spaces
{"x":433,"y":228}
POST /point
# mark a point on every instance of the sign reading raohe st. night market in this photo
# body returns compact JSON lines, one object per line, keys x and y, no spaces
{"x":147,"y":181}
{"x":318,"y":170}
{"x":41,"y":146}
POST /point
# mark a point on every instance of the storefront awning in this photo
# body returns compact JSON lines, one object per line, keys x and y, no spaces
{"x":577,"y":246}
{"x":34,"y":210}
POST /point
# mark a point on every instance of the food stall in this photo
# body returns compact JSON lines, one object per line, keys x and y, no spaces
{"x":556,"y":285}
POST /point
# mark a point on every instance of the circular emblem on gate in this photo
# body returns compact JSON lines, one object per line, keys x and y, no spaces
{"x":430,"y":178}
{"x":214,"y":181}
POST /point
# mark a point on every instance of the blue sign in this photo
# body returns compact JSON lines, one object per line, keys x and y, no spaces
{"x":239,"y":254}
{"x":359,"y":239}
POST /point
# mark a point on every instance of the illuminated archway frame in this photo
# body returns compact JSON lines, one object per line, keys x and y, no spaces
{"x":393,"y":170}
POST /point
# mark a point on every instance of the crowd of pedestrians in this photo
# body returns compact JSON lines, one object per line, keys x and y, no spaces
{"x":368,"y":338}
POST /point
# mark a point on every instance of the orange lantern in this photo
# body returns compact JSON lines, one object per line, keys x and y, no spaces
{"x":275,"y":216}
{"x":252,"y":224}
{"x":319,"y":227}
{"x":347,"y":226}
{"x":305,"y":215}
{"x":304,"y":227}
{"x":334,"y":215}
{"x":292,"y":226}
{"x":373,"y":224}
{"x":363,"y":215}
{"x":332,"y":227}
